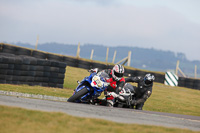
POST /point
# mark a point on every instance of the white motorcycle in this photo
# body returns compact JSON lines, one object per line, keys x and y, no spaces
{"x":123,"y":99}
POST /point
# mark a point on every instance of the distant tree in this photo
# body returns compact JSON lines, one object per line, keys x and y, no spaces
{"x":181,"y":56}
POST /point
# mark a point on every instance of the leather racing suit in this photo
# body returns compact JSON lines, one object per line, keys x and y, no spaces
{"x":142,"y":91}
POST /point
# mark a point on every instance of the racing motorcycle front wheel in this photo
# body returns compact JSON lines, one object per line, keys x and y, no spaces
{"x":78,"y":95}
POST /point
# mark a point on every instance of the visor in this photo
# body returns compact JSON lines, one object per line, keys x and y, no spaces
{"x":147,"y":82}
{"x":118,"y":74}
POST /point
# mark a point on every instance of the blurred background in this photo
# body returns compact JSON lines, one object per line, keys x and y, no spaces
{"x":158,"y":32}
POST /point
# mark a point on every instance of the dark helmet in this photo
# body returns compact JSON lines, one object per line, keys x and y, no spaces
{"x":148,"y":79}
{"x":117,"y":72}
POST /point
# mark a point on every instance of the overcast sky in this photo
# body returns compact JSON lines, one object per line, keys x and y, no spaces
{"x":161,"y":24}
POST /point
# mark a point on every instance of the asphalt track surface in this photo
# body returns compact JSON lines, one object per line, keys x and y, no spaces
{"x":120,"y":115}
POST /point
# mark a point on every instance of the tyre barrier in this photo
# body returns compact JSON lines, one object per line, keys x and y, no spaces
{"x":134,"y":73}
{"x":20,"y":51}
{"x":84,"y":64}
{"x":70,"y":61}
{"x":43,"y":61}
{"x":54,"y":57}
{"x":160,"y":78}
{"x":39,"y":54}
{"x":197,"y":84}
{"x":31,"y":71}
{"x":189,"y":83}
{"x":8,"y":49}
{"x":181,"y":81}
{"x":128,"y":73}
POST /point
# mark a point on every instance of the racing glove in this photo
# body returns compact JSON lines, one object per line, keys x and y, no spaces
{"x":93,"y":70}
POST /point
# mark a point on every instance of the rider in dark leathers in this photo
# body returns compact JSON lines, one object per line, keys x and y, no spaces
{"x":143,"y":91}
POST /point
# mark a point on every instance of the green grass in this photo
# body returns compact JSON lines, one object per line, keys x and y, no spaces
{"x":176,"y":100}
{"x":37,"y":90}
{"x":18,"y":120}
{"x":72,"y":75}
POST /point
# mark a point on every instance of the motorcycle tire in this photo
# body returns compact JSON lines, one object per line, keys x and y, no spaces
{"x":78,"y":95}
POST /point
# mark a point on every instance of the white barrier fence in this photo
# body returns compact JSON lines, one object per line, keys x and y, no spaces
{"x":171,"y":79}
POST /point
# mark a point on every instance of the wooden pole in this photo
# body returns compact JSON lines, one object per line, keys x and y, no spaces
{"x":107,"y":54}
{"x":36,"y":42}
{"x":181,"y":72}
{"x":129,"y":58}
{"x":178,"y":69}
{"x":125,"y":60}
{"x":195,"y":71}
{"x":78,"y":51}
{"x":91,"y":56}
{"x":177,"y":66}
{"x":114,"y":57}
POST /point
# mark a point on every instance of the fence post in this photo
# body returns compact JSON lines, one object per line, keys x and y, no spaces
{"x":36,"y":42}
{"x":114,"y":57}
{"x":126,"y":59}
{"x":129,"y":58}
{"x":123,"y":60}
{"x":195,"y":71}
{"x":78,"y":51}
{"x":91,"y":56}
{"x":178,"y":69}
{"x":107,"y":54}
{"x":177,"y":66}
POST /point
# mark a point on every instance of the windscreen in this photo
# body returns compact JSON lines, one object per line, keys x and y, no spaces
{"x":103,"y":76}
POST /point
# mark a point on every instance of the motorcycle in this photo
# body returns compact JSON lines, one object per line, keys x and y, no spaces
{"x":124,"y":98}
{"x":90,"y":88}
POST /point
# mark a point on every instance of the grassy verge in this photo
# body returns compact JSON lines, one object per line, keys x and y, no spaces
{"x":168,"y":99}
{"x":22,"y":121}
{"x":176,"y":100}
{"x":37,"y":90}
{"x":72,"y":75}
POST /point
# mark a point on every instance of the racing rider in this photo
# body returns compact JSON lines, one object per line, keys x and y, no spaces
{"x":116,"y":81}
{"x":143,"y":90}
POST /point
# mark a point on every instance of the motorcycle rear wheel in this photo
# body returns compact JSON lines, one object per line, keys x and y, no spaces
{"x":78,"y":95}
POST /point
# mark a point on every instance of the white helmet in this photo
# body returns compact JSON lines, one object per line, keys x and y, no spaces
{"x":117,"y":72}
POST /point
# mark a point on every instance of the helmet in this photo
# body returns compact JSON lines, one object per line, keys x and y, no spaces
{"x":117,"y":72}
{"x":148,"y":79}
